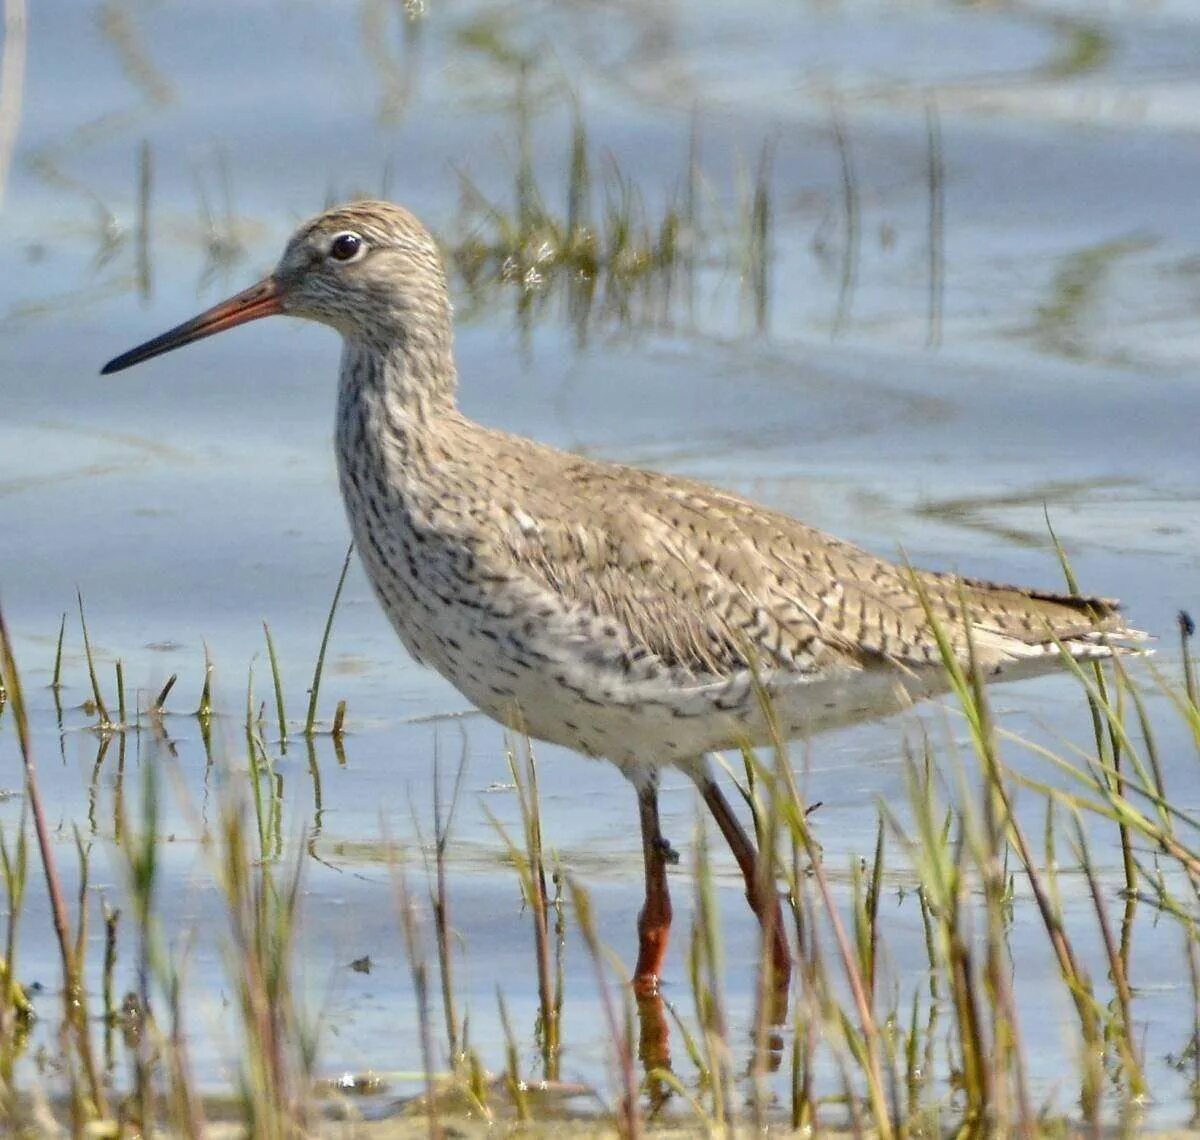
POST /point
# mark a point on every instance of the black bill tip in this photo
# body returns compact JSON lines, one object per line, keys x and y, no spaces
{"x":260,"y":300}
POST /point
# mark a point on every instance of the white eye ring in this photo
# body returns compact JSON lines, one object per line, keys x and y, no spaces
{"x":347,"y":247}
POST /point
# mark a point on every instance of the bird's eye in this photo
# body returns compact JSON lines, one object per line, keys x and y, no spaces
{"x":346,"y":247}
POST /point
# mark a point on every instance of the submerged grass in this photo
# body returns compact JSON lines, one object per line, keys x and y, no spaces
{"x":861,"y":1048}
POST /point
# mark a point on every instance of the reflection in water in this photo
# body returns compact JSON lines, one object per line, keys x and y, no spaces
{"x":50,"y":161}
{"x":118,"y":28}
{"x":723,"y":1069}
{"x":314,"y":774}
{"x":399,"y":74}
{"x":598,"y":247}
{"x":266,"y":783}
{"x":976,"y":512}
{"x":1083,"y":49}
{"x":937,"y":224}
{"x":654,"y":1048}
{"x":142,"y":232}
{"x":851,"y":225}
{"x":12,"y":84}
{"x":220,"y":229}
{"x":603,"y":245}
{"x":1064,"y":322}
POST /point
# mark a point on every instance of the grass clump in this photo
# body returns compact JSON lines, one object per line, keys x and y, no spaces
{"x":597,"y":244}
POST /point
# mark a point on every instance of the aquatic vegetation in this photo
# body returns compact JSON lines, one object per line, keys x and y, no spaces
{"x":1061,"y":322}
{"x":595,"y":243}
{"x":1021,"y":868}
{"x":856,"y":1046}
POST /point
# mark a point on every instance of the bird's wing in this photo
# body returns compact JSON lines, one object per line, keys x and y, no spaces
{"x":714,"y":583}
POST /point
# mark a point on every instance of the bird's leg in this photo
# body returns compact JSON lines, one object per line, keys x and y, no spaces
{"x":760,"y":892}
{"x":654,"y":928}
{"x":654,"y":922}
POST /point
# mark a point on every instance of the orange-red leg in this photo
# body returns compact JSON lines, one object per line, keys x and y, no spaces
{"x":762,"y":896}
{"x":654,"y":922}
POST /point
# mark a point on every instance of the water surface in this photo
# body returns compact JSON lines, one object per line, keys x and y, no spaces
{"x":984,"y":266}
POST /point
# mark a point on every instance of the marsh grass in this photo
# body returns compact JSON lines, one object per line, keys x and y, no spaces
{"x":529,"y":861}
{"x":594,"y":244}
{"x":597,"y":244}
{"x":315,"y":691}
{"x":861,"y":1047}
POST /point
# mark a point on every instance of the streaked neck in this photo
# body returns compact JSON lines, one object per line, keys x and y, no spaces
{"x":412,"y":377}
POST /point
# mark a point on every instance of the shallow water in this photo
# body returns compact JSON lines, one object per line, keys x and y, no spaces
{"x":897,"y":396}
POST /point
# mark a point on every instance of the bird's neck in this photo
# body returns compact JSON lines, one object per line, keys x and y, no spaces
{"x":413,"y":377}
{"x":395,"y":409}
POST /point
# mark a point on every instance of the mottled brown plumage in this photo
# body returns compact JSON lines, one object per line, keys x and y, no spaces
{"x":624,"y":613}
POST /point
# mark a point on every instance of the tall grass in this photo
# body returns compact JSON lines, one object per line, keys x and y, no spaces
{"x":865,"y":1048}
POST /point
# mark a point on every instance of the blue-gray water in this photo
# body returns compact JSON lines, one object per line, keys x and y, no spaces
{"x":194,"y":496}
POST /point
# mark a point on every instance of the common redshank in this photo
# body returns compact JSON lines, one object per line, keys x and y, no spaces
{"x":623,"y":613}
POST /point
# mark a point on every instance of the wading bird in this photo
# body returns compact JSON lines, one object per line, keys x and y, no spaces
{"x":625,"y":614}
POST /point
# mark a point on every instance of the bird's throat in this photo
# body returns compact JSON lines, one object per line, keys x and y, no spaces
{"x":410,"y":378}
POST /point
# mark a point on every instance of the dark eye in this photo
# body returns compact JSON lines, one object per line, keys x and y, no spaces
{"x":346,"y":247}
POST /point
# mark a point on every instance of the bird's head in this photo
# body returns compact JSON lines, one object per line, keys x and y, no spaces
{"x":368,"y":269}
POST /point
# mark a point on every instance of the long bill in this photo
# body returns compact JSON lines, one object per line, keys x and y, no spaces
{"x":261,"y":300}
